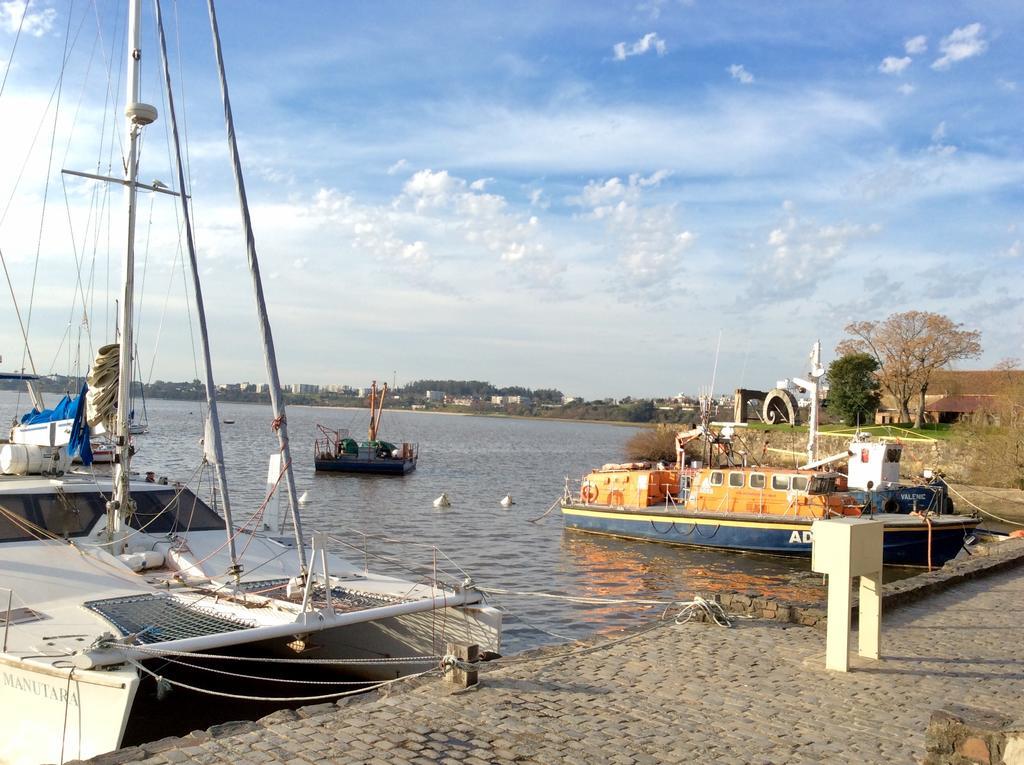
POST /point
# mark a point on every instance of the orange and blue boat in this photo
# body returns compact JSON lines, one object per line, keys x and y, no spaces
{"x":751,"y":509}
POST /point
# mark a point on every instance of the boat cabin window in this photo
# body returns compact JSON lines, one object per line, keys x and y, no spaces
{"x":736,"y":479}
{"x":800,"y":482}
{"x":66,"y":515}
{"x":821,"y":484}
{"x":757,"y":480}
{"x":780,"y":482}
{"x":717,"y":477}
{"x":163,"y":512}
{"x":893,"y":455}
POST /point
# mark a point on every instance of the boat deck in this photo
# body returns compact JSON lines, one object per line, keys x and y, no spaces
{"x":154,"y":618}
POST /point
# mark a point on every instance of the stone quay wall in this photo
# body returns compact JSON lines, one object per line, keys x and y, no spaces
{"x":960,"y":735}
{"x":984,"y":560}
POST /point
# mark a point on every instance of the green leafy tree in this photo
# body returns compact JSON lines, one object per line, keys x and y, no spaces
{"x":854,"y":390}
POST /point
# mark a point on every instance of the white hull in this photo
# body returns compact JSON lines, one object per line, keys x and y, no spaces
{"x":52,"y":717}
{"x":426,"y":633}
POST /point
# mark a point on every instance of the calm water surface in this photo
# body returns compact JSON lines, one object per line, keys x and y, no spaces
{"x":476,"y":461}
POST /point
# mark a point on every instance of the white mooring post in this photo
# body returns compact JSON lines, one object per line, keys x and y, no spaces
{"x":844,"y":548}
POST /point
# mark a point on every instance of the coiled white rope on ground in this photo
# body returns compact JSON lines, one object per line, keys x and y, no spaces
{"x":709,"y":608}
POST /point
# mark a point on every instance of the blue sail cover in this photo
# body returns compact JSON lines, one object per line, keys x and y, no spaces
{"x":68,"y":409}
{"x":65,"y":410}
{"x":79,"y":443}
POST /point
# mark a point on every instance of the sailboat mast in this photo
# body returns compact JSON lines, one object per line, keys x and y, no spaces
{"x":372,"y":432}
{"x":276,"y":399}
{"x":212,"y":441}
{"x":138,"y":115}
{"x":380,"y":408}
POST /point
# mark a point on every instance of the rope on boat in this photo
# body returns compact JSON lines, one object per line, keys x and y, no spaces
{"x":576,"y":599}
{"x":689,"y":610}
{"x":980,"y":510}
{"x":161,"y":680}
{"x":554,"y":504}
{"x":155,"y":652}
{"x":244,"y":676}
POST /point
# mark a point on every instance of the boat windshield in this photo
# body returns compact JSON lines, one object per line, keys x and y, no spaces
{"x":25,"y":517}
{"x":163,"y":512}
{"x":821,"y":484}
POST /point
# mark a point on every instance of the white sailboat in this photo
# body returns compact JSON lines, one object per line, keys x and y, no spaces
{"x":107,"y":586}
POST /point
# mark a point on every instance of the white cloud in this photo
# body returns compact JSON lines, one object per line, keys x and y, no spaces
{"x":740,"y":74}
{"x":646,"y":240}
{"x":416,"y":252}
{"x":916,"y":45}
{"x":800,"y":253}
{"x":598,"y":195}
{"x":939,"y":133}
{"x":906,"y":88}
{"x":648,"y":42}
{"x":476,"y":219}
{"x":654,"y":179}
{"x":962,"y":43}
{"x":1016,"y":249}
{"x":893,"y":65}
{"x":1008,"y":85}
{"x":36,"y":24}
{"x":397,"y":167}
{"x":430,"y":189}
{"x":369,"y":229}
{"x":480,"y":184}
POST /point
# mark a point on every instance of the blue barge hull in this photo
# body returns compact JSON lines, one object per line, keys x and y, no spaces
{"x":905,"y":499}
{"x":906,"y":540}
{"x":366,"y":467}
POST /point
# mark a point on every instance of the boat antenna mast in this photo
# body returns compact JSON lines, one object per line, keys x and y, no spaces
{"x":813,"y":386}
{"x":138,"y":115}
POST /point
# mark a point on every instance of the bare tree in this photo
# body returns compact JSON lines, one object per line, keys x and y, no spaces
{"x":909,"y":347}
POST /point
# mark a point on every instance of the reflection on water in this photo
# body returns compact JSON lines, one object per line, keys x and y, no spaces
{"x":616,"y":568}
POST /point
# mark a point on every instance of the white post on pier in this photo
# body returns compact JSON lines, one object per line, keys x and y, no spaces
{"x":844,"y":548}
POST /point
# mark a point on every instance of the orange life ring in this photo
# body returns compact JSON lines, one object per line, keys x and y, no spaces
{"x":588,"y":492}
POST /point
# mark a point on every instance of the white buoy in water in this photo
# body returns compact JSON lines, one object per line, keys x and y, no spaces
{"x":507,"y":501}
{"x":442,"y":501}
{"x":304,"y":497}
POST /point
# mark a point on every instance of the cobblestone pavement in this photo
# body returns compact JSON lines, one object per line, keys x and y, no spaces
{"x":756,"y":693}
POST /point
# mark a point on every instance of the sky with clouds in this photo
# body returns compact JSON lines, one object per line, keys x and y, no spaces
{"x":598,"y":197}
